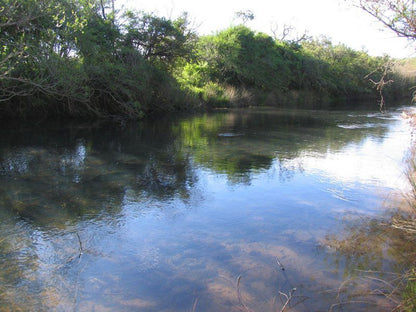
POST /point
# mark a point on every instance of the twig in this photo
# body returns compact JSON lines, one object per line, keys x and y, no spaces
{"x":288,"y":298}
{"x":81,"y":249}
{"x":240,"y":299}
{"x":280,"y":264}
{"x":379,"y":85}
{"x":342,"y":286}
{"x":195,"y":304}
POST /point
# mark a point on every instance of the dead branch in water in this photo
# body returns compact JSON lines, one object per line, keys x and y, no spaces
{"x":81,"y":249}
{"x":382,"y":83}
{"x":285,"y":298}
{"x":288,"y":298}
{"x":240,"y":299}
{"x":280,"y":264}
{"x":195,"y":304}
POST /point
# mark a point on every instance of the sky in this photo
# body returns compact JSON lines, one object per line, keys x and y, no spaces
{"x":335,"y":19}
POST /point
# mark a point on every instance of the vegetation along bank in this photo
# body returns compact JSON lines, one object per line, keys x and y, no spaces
{"x":83,"y":59}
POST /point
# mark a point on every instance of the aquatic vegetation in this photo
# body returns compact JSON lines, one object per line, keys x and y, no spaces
{"x":381,"y":253}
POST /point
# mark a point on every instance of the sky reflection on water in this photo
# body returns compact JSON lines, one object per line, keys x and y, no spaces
{"x":167,"y":216}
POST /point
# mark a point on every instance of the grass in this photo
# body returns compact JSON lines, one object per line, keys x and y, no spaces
{"x":368,"y":241}
{"x":406,"y":224}
{"x":409,"y":294}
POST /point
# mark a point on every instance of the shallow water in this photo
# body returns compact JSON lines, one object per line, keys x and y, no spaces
{"x":192,"y":214}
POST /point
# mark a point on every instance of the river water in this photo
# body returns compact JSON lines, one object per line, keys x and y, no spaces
{"x":224,"y":211}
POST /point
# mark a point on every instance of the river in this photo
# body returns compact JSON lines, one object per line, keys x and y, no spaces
{"x":223,"y":211}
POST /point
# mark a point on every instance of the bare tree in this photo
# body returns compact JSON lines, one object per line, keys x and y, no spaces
{"x":288,"y":33}
{"x":382,"y":82}
{"x":397,"y":15}
{"x":245,"y":16}
{"x":281,"y":34}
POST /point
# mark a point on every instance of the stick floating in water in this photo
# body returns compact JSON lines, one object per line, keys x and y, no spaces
{"x":280,"y":264}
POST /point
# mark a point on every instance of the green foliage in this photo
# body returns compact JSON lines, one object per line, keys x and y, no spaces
{"x":159,"y":40}
{"x":243,"y":59}
{"x":75,"y":58}
{"x":240,"y":57}
{"x":342,"y":71}
{"x":194,"y":74}
{"x":72,"y":59}
{"x":409,"y":294}
{"x":25,"y":32}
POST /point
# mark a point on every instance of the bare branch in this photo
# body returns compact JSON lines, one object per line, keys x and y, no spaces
{"x":397,"y":15}
{"x":382,"y":83}
{"x":288,"y":33}
{"x":245,"y":16}
{"x":240,"y":299}
{"x":288,"y":298}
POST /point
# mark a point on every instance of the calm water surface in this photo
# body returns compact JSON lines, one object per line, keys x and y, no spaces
{"x":192,"y":214}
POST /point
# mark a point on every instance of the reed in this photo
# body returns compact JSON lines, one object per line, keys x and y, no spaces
{"x":406,"y":224}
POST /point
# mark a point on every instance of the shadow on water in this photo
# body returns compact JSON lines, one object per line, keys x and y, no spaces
{"x":189,"y":214}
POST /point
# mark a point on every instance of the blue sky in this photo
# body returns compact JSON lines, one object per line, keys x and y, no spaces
{"x":336,"y":19}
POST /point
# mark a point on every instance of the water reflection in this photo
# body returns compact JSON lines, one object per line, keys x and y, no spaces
{"x":166,"y":216}
{"x":256,"y":139}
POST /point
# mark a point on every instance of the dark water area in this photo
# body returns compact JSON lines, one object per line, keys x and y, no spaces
{"x":195,"y":213}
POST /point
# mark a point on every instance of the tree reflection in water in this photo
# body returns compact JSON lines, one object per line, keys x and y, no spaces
{"x":156,"y":215}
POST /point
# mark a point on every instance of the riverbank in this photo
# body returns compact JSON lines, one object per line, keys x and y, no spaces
{"x":135,"y":64}
{"x":380,"y":251}
{"x":406,"y":225}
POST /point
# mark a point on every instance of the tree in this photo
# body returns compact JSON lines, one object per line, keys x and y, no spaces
{"x":245,"y":16}
{"x":27,"y":36}
{"x":289,"y":34}
{"x":240,"y":57}
{"x":397,"y":15}
{"x":161,"y":41}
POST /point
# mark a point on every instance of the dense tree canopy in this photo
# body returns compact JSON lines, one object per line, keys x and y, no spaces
{"x":82,"y":58}
{"x":159,"y":40}
{"x":72,"y":58}
{"x":238,"y":56}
